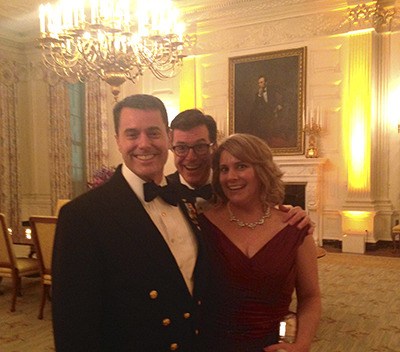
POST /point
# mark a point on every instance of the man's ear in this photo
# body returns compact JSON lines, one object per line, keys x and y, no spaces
{"x":170,"y":137}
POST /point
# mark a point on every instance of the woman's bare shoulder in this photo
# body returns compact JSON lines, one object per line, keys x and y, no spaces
{"x":215,"y":212}
{"x":277,"y":214}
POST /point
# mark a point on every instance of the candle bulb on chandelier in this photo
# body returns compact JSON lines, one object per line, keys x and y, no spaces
{"x":42,"y":17}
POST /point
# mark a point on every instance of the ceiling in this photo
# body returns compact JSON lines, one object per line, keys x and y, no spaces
{"x":19,"y":19}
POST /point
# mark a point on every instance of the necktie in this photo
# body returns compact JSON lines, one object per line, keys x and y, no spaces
{"x":204,"y":192}
{"x":168,"y":193}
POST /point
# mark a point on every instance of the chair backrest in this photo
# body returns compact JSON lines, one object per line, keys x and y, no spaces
{"x":7,"y":255}
{"x":43,"y":231}
{"x":60,"y":203}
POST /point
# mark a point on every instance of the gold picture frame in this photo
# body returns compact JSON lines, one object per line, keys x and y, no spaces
{"x":275,"y":113}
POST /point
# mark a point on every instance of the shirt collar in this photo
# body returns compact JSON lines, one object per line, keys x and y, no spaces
{"x":135,"y":182}
{"x":183,"y":181}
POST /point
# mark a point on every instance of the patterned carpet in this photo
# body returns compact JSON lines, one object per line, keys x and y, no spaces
{"x":361,"y":308}
{"x":361,"y":305}
{"x":22,"y":331}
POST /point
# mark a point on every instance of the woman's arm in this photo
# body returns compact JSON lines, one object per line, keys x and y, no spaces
{"x":308,"y":294}
{"x":308,"y":299}
{"x":297,"y":216}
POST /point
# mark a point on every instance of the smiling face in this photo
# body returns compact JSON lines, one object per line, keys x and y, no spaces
{"x":238,"y":180}
{"x":194,"y":169}
{"x":142,"y":140}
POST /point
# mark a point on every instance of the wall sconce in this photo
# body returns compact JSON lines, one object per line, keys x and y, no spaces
{"x":312,"y":128}
{"x":312,"y":152}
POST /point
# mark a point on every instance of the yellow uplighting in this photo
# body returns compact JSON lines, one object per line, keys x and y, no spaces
{"x":357,"y":214}
{"x":357,"y":112}
{"x":360,"y":31}
{"x":357,"y":222}
{"x":187,"y":90}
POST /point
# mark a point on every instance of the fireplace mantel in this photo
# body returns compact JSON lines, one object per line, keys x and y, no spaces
{"x":308,"y":171}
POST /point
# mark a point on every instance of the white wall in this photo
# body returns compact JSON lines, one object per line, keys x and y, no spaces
{"x":321,"y":27}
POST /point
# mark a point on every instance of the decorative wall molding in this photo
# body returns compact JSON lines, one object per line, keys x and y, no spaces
{"x":224,"y":26}
{"x":395,"y":24}
{"x":371,"y":15}
{"x":12,"y":72}
{"x":35,"y":204}
{"x":276,"y":32}
{"x":212,"y":15}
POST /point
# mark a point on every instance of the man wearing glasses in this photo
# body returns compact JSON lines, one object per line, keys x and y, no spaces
{"x":193,"y":137}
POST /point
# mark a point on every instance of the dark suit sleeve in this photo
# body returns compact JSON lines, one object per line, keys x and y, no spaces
{"x":77,"y":283}
{"x":116,"y":285}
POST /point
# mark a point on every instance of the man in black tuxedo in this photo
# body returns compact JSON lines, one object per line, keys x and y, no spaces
{"x":193,"y":138}
{"x":124,"y":277}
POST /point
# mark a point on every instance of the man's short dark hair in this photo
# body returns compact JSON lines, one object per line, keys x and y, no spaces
{"x":140,"y":102}
{"x":188,"y":119}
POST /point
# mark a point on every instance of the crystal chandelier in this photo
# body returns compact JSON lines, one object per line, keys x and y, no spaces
{"x":104,"y":39}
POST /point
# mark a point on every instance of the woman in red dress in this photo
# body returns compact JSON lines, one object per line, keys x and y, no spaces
{"x":257,"y":259}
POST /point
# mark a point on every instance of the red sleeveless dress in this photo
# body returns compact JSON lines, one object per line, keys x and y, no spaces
{"x":248,"y":297}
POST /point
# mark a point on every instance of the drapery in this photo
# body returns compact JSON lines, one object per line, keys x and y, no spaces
{"x":60,"y":142}
{"x":60,"y":135}
{"x":96,"y":127}
{"x":9,"y":176}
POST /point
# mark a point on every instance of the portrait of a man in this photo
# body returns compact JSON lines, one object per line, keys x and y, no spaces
{"x":267,"y":96}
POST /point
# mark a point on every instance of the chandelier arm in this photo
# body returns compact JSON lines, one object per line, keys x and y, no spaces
{"x":104,"y":42}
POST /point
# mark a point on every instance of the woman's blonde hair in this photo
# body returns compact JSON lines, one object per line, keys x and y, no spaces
{"x":253,"y":150}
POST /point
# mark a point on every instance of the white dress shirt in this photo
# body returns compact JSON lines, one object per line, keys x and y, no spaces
{"x":264,"y":95}
{"x":172,"y":224}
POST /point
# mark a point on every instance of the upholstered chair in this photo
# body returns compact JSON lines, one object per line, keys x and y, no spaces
{"x":43,"y":231}
{"x":11,"y":266}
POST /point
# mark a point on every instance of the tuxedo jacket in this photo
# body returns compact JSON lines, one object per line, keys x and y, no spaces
{"x":116,"y":285}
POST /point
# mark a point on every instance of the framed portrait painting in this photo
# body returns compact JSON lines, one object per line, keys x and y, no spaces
{"x":267,"y":98}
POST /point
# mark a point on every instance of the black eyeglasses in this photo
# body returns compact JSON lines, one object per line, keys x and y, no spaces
{"x":200,"y":149}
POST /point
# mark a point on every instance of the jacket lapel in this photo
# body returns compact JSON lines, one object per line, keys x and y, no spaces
{"x":135,"y":222}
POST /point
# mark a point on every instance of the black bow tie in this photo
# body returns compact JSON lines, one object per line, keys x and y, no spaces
{"x":204,"y":192}
{"x":168,"y":193}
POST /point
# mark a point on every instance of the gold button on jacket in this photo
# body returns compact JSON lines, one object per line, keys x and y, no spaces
{"x":173,"y":347}
{"x":153,"y":294}
{"x":166,"y":321}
